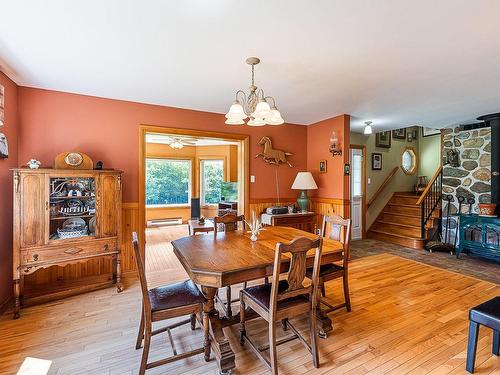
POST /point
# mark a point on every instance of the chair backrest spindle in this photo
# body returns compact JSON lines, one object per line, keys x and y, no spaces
{"x":339,"y":230}
{"x":297,"y":249}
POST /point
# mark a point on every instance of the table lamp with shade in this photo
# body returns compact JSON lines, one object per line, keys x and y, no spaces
{"x":304,"y":181}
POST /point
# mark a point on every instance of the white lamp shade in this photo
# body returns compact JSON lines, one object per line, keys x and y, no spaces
{"x":262,"y":110}
{"x":236,"y":112}
{"x":256,"y":122}
{"x":368,"y":129}
{"x":274,"y":118}
{"x":236,"y":121}
{"x":304,"y":181}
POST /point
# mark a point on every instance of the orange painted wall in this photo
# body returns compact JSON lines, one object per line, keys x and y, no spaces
{"x":332,"y":184}
{"x":10,"y":129}
{"x":108,"y":130}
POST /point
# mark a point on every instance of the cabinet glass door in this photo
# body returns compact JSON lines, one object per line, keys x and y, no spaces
{"x":72,"y":205}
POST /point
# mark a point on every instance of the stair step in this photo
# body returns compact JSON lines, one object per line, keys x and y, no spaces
{"x":413,"y":242}
{"x":409,"y":209}
{"x":398,"y":228}
{"x":404,"y":199}
{"x":405,"y":193}
{"x":403,"y":218}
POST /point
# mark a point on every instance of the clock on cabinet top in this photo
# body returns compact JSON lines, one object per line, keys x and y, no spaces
{"x":73,"y":160}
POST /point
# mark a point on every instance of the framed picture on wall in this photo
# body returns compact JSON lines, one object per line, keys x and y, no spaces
{"x":399,"y":134}
{"x":322,"y":166}
{"x":383,"y":139}
{"x":427,"y":132}
{"x":4,"y":147}
{"x":376,"y":161}
{"x":2,"y":101}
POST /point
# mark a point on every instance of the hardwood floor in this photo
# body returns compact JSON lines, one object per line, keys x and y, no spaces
{"x":407,"y":318}
{"x":159,"y":238}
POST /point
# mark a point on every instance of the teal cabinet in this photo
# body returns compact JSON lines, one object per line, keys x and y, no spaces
{"x":480,"y":235}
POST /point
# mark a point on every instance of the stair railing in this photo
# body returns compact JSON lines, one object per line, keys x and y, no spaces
{"x":430,"y":199}
{"x":382,"y":187}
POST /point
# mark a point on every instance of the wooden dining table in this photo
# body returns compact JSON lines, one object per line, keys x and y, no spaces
{"x":230,"y":258}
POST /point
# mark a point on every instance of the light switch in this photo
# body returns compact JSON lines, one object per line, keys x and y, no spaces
{"x":369,"y":180}
{"x":252,"y":178}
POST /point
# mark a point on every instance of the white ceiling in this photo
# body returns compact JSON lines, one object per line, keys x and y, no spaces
{"x":395,"y":62}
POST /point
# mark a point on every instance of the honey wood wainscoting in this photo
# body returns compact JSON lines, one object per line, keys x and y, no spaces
{"x":96,"y":273}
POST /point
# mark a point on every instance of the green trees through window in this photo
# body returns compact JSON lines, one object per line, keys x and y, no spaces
{"x":168,"y":181}
{"x":212,"y":176}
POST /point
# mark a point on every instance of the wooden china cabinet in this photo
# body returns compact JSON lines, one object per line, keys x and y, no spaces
{"x":63,"y":217}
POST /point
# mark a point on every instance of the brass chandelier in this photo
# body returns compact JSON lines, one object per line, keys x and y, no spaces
{"x":259,"y":109}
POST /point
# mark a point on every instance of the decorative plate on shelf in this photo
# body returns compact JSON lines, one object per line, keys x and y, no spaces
{"x":74,"y":223}
{"x":92,"y":225}
{"x":73,"y":160}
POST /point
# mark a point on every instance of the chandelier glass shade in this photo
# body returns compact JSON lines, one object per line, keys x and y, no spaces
{"x":259,"y":109}
{"x":368,"y":128}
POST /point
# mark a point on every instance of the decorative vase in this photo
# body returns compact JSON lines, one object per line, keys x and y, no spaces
{"x":303,"y":201}
{"x":487,"y":209}
{"x":255,"y":226}
{"x":33,"y":164}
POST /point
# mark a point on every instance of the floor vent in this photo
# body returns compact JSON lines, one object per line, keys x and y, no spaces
{"x":165,"y":222}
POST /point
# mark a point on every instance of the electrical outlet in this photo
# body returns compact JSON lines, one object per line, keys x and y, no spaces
{"x":369,"y":180}
{"x":252,"y":178}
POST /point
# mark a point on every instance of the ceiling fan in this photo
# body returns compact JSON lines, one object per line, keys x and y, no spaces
{"x":178,"y":142}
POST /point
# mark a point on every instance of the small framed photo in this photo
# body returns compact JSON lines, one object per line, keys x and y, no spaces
{"x":427,"y":132}
{"x":399,"y":134}
{"x":383,"y":139}
{"x":376,"y":161}
{"x":347,"y":169}
{"x":322,"y":166}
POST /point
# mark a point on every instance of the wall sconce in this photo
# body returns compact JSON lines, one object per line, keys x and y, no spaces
{"x":334,"y":141}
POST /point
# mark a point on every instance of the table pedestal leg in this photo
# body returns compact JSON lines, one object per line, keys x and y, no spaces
{"x":214,"y":336}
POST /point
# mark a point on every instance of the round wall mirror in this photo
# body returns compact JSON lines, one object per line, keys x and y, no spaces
{"x":409,"y":161}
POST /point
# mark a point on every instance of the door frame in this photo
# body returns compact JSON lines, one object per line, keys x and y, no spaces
{"x":363,"y":185}
{"x":243,"y":167}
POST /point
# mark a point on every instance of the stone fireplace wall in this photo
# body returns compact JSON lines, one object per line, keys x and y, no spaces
{"x":472,"y":178}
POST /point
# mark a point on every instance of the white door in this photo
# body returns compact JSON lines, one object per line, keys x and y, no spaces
{"x":356,"y":194}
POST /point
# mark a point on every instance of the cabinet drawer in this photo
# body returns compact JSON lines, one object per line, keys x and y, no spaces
{"x":67,"y":251}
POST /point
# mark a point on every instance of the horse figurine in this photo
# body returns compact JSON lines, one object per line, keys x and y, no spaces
{"x":272,"y":156}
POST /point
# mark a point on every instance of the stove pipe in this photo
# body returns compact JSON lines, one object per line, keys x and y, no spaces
{"x":493,"y":120}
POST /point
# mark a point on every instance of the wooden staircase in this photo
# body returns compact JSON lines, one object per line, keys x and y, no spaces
{"x":400,"y":222}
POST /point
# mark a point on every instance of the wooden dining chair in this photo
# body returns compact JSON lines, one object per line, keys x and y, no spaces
{"x":230,"y":223}
{"x":166,"y":302}
{"x":284,"y":299}
{"x":337,"y":229}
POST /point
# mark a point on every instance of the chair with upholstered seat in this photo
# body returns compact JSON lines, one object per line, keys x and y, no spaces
{"x":166,"y":302}
{"x":282,"y":300}
{"x":486,"y":314}
{"x":337,"y":229}
{"x":230,"y":224}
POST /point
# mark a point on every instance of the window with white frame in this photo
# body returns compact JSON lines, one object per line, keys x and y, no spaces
{"x":211,"y":179}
